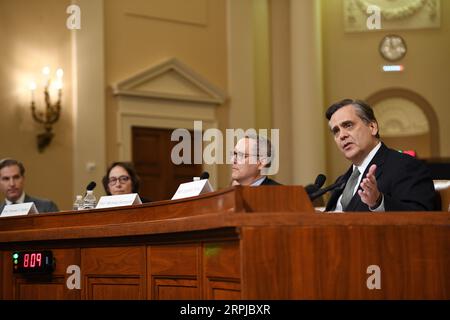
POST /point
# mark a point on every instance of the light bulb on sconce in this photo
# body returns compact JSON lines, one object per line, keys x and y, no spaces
{"x":46,"y":71}
{"x":58,"y":83}
{"x":59,"y":73}
{"x":52,"y":111}
{"x":33,"y":87}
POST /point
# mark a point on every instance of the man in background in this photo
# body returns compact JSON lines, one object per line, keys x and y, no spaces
{"x":251,"y":156}
{"x":12,"y":181}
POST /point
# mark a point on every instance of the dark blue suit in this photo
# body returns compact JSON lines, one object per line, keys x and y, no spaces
{"x":269,"y":182}
{"x":42,"y":205}
{"x":404,"y":181}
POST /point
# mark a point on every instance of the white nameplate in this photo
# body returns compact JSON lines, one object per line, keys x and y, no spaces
{"x":192,"y":189}
{"x":20,"y":209}
{"x":118,"y":200}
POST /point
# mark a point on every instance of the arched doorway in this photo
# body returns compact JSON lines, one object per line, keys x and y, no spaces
{"x":407,"y":121}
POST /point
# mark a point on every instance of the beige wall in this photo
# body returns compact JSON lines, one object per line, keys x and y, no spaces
{"x":34,"y":34}
{"x":262,"y":56}
{"x":352,"y":69}
{"x":142,"y":33}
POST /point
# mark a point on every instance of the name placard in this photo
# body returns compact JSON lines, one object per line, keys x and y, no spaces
{"x":192,"y":189}
{"x":20,"y":209}
{"x":118,"y":200}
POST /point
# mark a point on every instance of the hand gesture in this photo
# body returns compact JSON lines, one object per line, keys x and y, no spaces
{"x":370,"y":194}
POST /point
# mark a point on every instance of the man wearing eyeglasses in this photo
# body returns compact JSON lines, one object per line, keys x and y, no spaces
{"x":251,"y":157}
{"x":12,"y":183}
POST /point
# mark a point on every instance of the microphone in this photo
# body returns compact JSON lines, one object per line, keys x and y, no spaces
{"x":91,"y":185}
{"x":311,"y":188}
{"x":204,"y":175}
{"x":338,"y":185}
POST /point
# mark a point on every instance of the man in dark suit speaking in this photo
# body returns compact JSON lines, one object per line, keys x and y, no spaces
{"x":12,"y":181}
{"x":380,"y":179}
{"x":251,"y":155}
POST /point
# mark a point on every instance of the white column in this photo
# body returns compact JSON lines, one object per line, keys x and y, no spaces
{"x":308,"y":120}
{"x":89,"y":96}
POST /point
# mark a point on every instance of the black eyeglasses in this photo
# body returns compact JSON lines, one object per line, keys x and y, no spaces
{"x":240,"y":156}
{"x":122,"y":179}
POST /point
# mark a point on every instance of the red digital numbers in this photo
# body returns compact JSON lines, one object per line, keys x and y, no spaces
{"x":31,"y":260}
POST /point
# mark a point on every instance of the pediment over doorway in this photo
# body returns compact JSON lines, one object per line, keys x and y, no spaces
{"x":171,"y":80}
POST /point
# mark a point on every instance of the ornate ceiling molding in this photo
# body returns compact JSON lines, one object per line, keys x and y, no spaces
{"x":400,"y":12}
{"x":395,"y":14}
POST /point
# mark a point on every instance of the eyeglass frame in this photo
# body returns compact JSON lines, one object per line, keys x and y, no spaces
{"x":112,"y":181}
{"x":241,"y":156}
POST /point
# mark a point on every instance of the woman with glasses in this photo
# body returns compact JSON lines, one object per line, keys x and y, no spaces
{"x":121,"y":178}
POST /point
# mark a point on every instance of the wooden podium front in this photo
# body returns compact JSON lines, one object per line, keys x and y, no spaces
{"x":238,"y":243}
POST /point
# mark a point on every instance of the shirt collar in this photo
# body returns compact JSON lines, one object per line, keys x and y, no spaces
{"x":362,"y":168}
{"x":258,"y":182}
{"x":20,"y":200}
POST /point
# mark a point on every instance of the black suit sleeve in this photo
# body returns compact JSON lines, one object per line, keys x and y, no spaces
{"x":52,"y":207}
{"x":411,"y":188}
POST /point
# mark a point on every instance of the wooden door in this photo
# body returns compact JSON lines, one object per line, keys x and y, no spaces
{"x":160,"y":178}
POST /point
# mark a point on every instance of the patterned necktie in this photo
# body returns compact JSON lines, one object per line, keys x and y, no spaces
{"x":347,"y":195}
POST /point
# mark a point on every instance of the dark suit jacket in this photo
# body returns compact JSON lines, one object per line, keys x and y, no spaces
{"x":269,"y":182}
{"x":404,"y":181}
{"x":42,"y":205}
{"x":145,"y":200}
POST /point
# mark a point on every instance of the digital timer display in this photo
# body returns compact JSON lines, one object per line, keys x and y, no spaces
{"x":33,"y":262}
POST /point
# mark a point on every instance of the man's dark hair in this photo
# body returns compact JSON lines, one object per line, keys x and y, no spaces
{"x":12,"y":162}
{"x":363,"y":110}
{"x":129,"y":168}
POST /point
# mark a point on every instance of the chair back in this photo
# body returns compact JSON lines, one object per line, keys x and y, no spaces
{"x":442,"y":188}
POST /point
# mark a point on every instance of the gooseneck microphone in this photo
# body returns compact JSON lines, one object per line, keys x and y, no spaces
{"x":311,"y":188}
{"x":340,"y":184}
{"x":91,"y":185}
{"x":204,"y":175}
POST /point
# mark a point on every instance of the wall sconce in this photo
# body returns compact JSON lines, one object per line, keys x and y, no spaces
{"x":52,"y":111}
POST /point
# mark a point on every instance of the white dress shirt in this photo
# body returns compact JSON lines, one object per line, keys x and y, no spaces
{"x":362,"y":168}
{"x":258,"y":182}
{"x":20,"y":200}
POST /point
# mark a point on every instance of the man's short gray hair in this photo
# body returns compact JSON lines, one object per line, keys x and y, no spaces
{"x":264,"y":148}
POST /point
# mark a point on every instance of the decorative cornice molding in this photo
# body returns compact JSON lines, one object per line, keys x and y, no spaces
{"x":401,"y":12}
{"x":209,"y":93}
